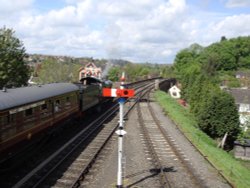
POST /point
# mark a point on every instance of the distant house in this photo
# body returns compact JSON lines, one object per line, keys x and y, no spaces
{"x":90,"y":70}
{"x":242,"y":100}
{"x":242,"y":75}
{"x":244,"y":78}
{"x":175,"y":92}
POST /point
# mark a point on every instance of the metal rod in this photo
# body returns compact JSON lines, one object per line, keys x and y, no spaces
{"x":120,"y":146}
{"x":120,"y":138}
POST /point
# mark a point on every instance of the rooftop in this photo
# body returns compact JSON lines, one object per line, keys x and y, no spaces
{"x":15,"y":97}
{"x":240,"y":95}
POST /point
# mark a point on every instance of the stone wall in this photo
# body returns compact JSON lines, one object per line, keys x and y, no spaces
{"x":242,"y":151}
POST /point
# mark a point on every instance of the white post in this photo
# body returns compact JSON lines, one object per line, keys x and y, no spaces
{"x":120,"y":133}
{"x":120,"y":146}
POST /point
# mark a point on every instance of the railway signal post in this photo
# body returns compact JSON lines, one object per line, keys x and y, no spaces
{"x":122,"y":94}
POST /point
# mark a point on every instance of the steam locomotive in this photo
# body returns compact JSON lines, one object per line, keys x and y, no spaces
{"x":27,"y":111}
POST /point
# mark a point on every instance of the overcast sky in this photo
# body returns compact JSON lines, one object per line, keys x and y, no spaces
{"x":136,"y":30}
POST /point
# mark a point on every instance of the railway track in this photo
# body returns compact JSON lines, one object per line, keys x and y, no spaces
{"x":67,"y":153}
{"x":171,"y":165}
{"x":68,"y":166}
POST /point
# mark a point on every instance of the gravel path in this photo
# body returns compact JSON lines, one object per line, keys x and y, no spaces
{"x":138,"y":170}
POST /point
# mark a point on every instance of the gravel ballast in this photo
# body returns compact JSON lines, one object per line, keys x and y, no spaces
{"x":138,"y":169}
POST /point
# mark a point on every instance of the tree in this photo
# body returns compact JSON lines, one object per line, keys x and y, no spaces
{"x":166,"y":72}
{"x":114,"y":74}
{"x":187,"y":75}
{"x":199,"y":92}
{"x":187,"y":56}
{"x":13,"y":68}
{"x":219,"y":115}
{"x":223,"y":38}
{"x":209,"y":63}
{"x":54,"y":71}
{"x":199,"y":69}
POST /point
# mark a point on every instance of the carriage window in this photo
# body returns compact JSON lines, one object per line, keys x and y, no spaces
{"x":2,"y":121}
{"x":5,"y":120}
{"x":44,"y":107}
{"x":8,"y":119}
{"x":67,"y":99}
{"x":29,"y":112}
{"x":68,"y":102}
{"x":57,"y":106}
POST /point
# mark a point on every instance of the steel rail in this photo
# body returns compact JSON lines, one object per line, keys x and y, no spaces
{"x":196,"y":179}
{"x":69,"y":144}
{"x":34,"y":173}
{"x":232,"y":184}
{"x":156,"y":161}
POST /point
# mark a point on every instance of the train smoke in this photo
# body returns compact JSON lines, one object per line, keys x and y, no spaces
{"x":106,"y":69}
{"x":113,"y":46}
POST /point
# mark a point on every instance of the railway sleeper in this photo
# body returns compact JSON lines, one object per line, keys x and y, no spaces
{"x":97,"y":142}
{"x":103,"y":137}
{"x":89,"y":176}
{"x":78,"y":163}
{"x":81,"y":160}
{"x":106,"y":132}
{"x":70,"y":175}
{"x":75,"y":168}
{"x":64,"y":182}
{"x":92,"y":149}
{"x":55,"y":186}
{"x":88,"y":155}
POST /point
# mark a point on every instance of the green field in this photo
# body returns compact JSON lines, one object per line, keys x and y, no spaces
{"x":231,"y":168}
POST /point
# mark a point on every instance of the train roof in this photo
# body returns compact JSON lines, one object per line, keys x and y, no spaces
{"x":19,"y":96}
{"x":91,"y":80}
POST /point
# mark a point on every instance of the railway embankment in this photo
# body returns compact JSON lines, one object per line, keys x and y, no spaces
{"x":229,"y":167}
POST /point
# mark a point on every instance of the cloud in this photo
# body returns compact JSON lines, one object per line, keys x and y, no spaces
{"x":233,"y":26}
{"x":237,"y":3}
{"x":127,"y":9}
{"x":145,"y":32}
{"x":211,"y":31}
{"x":131,"y":29}
{"x":13,"y":6}
{"x":142,"y":30}
{"x":12,"y":10}
{"x":63,"y":31}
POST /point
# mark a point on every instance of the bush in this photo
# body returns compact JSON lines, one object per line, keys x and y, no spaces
{"x":219,"y":115}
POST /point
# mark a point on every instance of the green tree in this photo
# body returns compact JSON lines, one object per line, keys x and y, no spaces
{"x":219,"y":115}
{"x":187,"y":56}
{"x":13,"y":68}
{"x":114,"y":74}
{"x":200,"y":70}
{"x":167,"y":72}
{"x":187,"y":77}
{"x":54,"y":71}
{"x":199,"y":92}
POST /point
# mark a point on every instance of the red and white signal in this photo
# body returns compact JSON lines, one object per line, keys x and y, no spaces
{"x":126,"y":93}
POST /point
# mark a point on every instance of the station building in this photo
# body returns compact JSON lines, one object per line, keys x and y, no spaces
{"x":90,"y":70}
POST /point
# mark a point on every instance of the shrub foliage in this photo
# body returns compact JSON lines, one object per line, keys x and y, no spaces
{"x":13,"y":69}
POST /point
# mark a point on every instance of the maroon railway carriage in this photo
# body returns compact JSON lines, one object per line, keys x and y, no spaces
{"x":28,"y":110}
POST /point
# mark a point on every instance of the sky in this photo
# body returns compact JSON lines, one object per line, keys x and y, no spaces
{"x":135,"y":30}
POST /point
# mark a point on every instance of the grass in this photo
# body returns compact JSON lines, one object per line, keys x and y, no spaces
{"x":231,"y":168}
